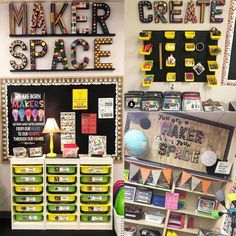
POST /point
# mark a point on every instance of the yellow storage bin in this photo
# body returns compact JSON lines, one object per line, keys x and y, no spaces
{"x":147,"y":65}
{"x":69,"y":179}
{"x":214,"y":50}
{"x":170,"y":47}
{"x":61,"y":198}
{"x":171,"y":77}
{"x":147,"y":80}
{"x":62,"y":217}
{"x":95,"y":169}
{"x":213,"y":65}
{"x":170,"y":34}
{"x":212,"y":81}
{"x":95,"y":208}
{"x":28,"y":208}
{"x":28,"y":169}
{"x":145,"y":35}
{"x":145,"y":52}
{"x":215,"y":37}
{"x":28,"y":188}
{"x":189,"y":62}
{"x":189,"y":34}
{"x":189,"y":47}
{"x":94,"y":188}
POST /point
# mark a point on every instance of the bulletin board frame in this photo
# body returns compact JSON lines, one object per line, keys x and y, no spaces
{"x":62,"y":81}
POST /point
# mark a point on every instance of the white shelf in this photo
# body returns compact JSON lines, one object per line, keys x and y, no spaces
{"x":194,"y":192}
{"x":144,"y":222}
{"x":27,"y":160}
{"x":62,"y":225}
{"x":145,"y":205}
{"x":185,"y":230}
{"x":148,"y":186}
{"x":95,"y":226}
{"x":28,"y":225}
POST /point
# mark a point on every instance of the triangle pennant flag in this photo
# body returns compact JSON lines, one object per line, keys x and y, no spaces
{"x":168,"y":174}
{"x":205,"y":185}
{"x":195,"y":182}
{"x":144,"y":173}
{"x":133,"y":170}
{"x":155,"y":176}
{"x":185,"y":177}
{"x":176,"y":175}
{"x":216,"y":186}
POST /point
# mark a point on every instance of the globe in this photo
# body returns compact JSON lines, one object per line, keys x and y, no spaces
{"x":136,"y":142}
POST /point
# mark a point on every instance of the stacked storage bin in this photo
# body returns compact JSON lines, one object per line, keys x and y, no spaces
{"x":61,"y":193}
{"x":95,"y":193}
{"x":27,"y":193}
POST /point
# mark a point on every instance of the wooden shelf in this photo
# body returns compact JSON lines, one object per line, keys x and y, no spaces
{"x":60,"y":35}
{"x":194,"y":192}
{"x":62,"y":70}
{"x":145,"y":205}
{"x":185,"y":230}
{"x":144,"y":222}
{"x":148,"y":186}
{"x":192,"y":213}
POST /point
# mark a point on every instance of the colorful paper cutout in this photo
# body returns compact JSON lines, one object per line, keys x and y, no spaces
{"x":195,"y":182}
{"x":155,"y":176}
{"x":167,"y":174}
{"x":206,"y":185}
{"x":134,"y":169}
{"x":144,"y":173}
{"x":185,"y":177}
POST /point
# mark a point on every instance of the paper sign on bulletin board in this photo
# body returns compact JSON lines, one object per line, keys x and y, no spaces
{"x":80,"y":99}
{"x":223,"y":167}
{"x":88,"y":123}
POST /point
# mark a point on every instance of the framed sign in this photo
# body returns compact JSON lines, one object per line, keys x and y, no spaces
{"x":180,"y":140}
{"x":57,"y":95}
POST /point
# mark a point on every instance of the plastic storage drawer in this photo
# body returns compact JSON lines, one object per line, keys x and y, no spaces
{"x":28,"y":208}
{"x":95,"y":217}
{"x":90,"y":188}
{"x":61,"y":179}
{"x":61,"y":188}
{"x":96,"y":208}
{"x":99,"y":179}
{"x":61,"y":217}
{"x":95,"y":170}
{"x":28,"y":217}
{"x":28,"y":179}
{"x":62,"y":198}
{"x":94,"y":198}
{"x":28,"y":199}
{"x":28,"y":188}
{"x":68,"y":208}
{"x":58,"y":169}
{"x":28,"y":169}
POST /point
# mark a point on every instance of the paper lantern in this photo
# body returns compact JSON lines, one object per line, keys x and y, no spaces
{"x":22,"y":45}
{"x":98,"y":53}
{"x":141,"y":6}
{"x":160,"y":9}
{"x":34,"y":54}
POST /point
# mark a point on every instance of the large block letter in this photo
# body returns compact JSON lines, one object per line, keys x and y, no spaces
{"x":160,"y":9}
{"x":36,"y":54}
{"x":141,"y":6}
{"x":203,"y":4}
{"x":216,"y":12}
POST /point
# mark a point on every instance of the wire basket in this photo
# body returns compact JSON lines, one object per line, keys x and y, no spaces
{"x":119,"y":224}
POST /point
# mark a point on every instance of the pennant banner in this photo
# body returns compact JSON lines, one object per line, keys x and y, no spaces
{"x":195,"y":182}
{"x":144,"y":173}
{"x":185,"y":177}
{"x":133,"y":170}
{"x":155,"y":176}
{"x":206,"y":185}
{"x":176,"y":175}
{"x":216,"y":186}
{"x":168,"y":174}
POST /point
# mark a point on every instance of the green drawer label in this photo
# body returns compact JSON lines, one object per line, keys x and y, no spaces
{"x":96,"y":218}
{"x":28,"y":169}
{"x":64,"y":169}
{"x":62,"y":208}
{"x":95,"y":170}
{"x":28,"y":208}
{"x":61,"y":189}
{"x":97,"y":208}
{"x":96,"y":179}
{"x":95,"y":198}
{"x":64,"y":198}
{"x":28,"y":179}
{"x":61,"y":218}
{"x":28,"y":189}
{"x":29,"y":199}
{"x":63,"y":179}
{"x":96,"y":188}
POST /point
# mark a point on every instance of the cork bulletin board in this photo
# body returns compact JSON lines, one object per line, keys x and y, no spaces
{"x":180,"y":140}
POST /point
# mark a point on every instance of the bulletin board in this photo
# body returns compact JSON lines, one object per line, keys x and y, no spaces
{"x":58,"y":97}
{"x":179,"y":140}
{"x":180,"y":54}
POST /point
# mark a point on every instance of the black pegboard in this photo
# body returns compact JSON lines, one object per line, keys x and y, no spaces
{"x":180,"y":54}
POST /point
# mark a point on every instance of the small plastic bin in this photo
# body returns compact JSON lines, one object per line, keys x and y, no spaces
{"x":67,"y":179}
{"x":28,"y":179}
{"x":28,"y":216}
{"x":170,"y":47}
{"x":94,"y":198}
{"x":95,"y":208}
{"x":170,"y":34}
{"x":158,"y":201}
{"x":189,"y":47}
{"x":61,"y":198}
{"x":95,"y":217}
{"x":213,"y":66}
{"x":99,"y":179}
{"x":28,"y":188}
{"x":146,"y":49}
{"x":28,"y":169}
{"x":212,"y":81}
{"x":62,"y":217}
{"x":154,"y":217}
{"x":28,"y":199}
{"x":90,"y":188}
{"x":23,"y":208}
{"x":61,"y":188}
{"x":133,"y":212}
{"x":104,"y":170}
{"x":59,"y":169}
{"x":62,"y":208}
{"x":171,"y":77}
{"x":189,"y":34}
{"x":147,"y":65}
{"x":70,"y":150}
{"x":145,"y":35}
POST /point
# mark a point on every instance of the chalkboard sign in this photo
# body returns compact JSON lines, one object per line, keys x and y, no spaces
{"x":56,"y":98}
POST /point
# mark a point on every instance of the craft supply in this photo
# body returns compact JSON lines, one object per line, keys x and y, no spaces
{"x":151,"y":101}
{"x":171,"y":101}
{"x":160,"y":56}
{"x":143,"y":196}
{"x":191,"y":101}
{"x":133,"y":212}
{"x":133,"y":100}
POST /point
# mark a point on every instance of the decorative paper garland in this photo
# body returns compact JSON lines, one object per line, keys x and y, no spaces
{"x":34,"y":54}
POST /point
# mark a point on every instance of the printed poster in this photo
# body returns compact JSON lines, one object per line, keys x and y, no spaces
{"x":105,"y":108}
{"x":80,"y":99}
{"x":97,"y":145}
{"x":88,"y":123}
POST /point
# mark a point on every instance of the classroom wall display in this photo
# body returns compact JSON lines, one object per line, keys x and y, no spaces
{"x":229,"y":71}
{"x":180,"y":140}
{"x":26,"y":103}
{"x":75,"y":19}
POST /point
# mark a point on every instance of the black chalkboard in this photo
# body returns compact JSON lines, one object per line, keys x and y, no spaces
{"x":58,"y":98}
{"x":180,"y":54}
{"x":232,"y":67}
